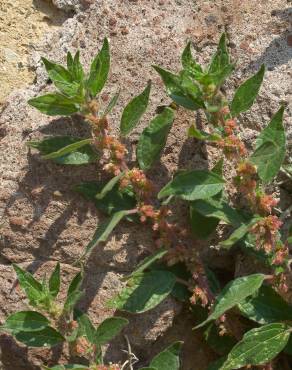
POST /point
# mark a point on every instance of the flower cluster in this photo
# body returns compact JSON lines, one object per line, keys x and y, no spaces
{"x":106,"y":367}
{"x":143,"y":187}
{"x":265,"y":231}
{"x":245,"y":181}
{"x":81,"y":347}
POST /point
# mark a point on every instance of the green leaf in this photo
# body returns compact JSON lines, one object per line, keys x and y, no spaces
{"x":181,"y":90}
{"x":234,"y":293}
{"x":104,"y":230}
{"x":108,"y":329}
{"x":258,"y":346}
{"x":47,"y":337}
{"x":76,"y":68}
{"x":134,"y":111}
{"x":81,"y":155}
{"x":54,"y":281}
{"x":270,"y":148}
{"x":192,"y":185}
{"x":109,"y":186}
{"x":148,"y":261}
{"x":99,"y":70}
{"x":169,"y":358}
{"x":221,"y":58}
{"x":68,"y":149}
{"x":153,"y":139}
{"x":246,"y":94}
{"x":86,"y":328}
{"x":63,"y":79}
{"x":201,"y":226}
{"x":54,"y":105}
{"x":144,"y":291}
{"x":201,"y":135}
{"x":221,"y":210}
{"x":25,"y":321}
{"x":111,"y":104}
{"x":110,"y":201}
{"x":30,"y":285}
{"x":188,"y":62}
{"x":74,"y":293}
{"x":239,"y":233}
{"x":266,"y":306}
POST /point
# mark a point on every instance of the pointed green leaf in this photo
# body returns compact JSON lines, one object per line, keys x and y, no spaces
{"x":82,"y":155}
{"x":192,"y":185}
{"x":47,"y":337}
{"x":246,"y":94}
{"x":104,"y":230}
{"x":109,"y":201}
{"x":153,"y":139}
{"x":25,"y":321}
{"x":144,"y":291}
{"x":270,"y":148}
{"x":134,"y":111}
{"x":30,"y":285}
{"x":201,"y":135}
{"x":68,"y":149}
{"x":266,"y":306}
{"x":221,"y":58}
{"x":234,"y":293}
{"x":182,"y":91}
{"x":111,"y":104}
{"x":188,"y":62}
{"x":169,"y":358}
{"x":54,"y":105}
{"x":74,"y":293}
{"x":69,"y":61}
{"x":62,"y":79}
{"x":86,"y":328}
{"x":221,"y":210}
{"x":76,"y":69}
{"x":109,"y":186}
{"x":108,"y":329}
{"x":54,"y":281}
{"x":239,"y":233}
{"x":258,"y":346}
{"x":99,"y":70}
{"x":148,"y":261}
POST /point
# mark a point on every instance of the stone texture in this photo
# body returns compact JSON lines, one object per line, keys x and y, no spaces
{"x":45,"y":221}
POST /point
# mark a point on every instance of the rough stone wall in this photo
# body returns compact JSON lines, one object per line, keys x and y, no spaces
{"x":45,"y":221}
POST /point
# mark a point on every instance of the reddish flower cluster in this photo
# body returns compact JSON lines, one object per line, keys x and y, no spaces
{"x":106,"y":367}
{"x":246,"y":182}
{"x":201,"y":292}
{"x":81,"y":346}
{"x":229,"y":126}
{"x":232,"y":146}
{"x":265,"y":203}
{"x":265,"y":231}
{"x":143,"y":187}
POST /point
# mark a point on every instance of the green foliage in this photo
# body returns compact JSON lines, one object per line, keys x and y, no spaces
{"x":221,"y":344}
{"x":144,"y":291}
{"x":99,"y":70}
{"x":168,"y":359}
{"x":108,"y":200}
{"x":108,"y":329}
{"x":201,"y":135}
{"x":270,"y":148}
{"x":74,"y":293}
{"x":54,"y":281}
{"x":234,"y":293}
{"x":134,"y":111}
{"x":192,"y":185}
{"x":25,"y":321}
{"x":46,"y":337}
{"x":266,"y":307}
{"x":66,"y":150}
{"x":153,"y":139}
{"x":246,"y":94}
{"x":189,"y":64}
{"x":258,"y":346}
{"x":55,"y":105}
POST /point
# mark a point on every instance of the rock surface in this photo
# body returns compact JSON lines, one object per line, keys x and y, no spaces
{"x":45,"y":221}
